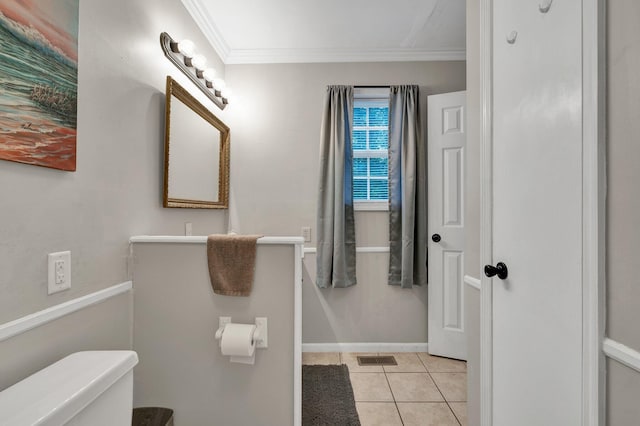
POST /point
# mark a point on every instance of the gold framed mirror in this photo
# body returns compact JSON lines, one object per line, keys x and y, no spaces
{"x":196,"y":153}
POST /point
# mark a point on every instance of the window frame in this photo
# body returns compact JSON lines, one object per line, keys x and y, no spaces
{"x":371,"y":96}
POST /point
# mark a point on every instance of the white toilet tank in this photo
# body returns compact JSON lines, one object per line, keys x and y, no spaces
{"x":86,"y":388}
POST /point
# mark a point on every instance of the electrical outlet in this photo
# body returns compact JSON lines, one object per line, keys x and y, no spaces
{"x":59,"y":272}
{"x":188,"y":229}
{"x":306,"y":233}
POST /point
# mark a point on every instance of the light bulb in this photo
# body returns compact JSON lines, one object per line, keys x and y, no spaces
{"x":226,"y":93}
{"x":209,"y":74}
{"x":219,"y":83}
{"x":199,"y":61}
{"x":187,"y":48}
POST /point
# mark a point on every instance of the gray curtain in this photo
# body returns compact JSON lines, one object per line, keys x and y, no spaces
{"x":407,"y":190}
{"x":336,"y":247}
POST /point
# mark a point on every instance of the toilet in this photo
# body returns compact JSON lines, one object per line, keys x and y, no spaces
{"x":85,"y":388}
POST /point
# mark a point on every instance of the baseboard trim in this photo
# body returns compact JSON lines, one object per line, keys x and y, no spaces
{"x":621,"y":353}
{"x":365,"y":347}
{"x":26,"y":323}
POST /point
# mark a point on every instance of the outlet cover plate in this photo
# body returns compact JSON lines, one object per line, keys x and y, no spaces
{"x":59,"y":272}
{"x":306,"y":233}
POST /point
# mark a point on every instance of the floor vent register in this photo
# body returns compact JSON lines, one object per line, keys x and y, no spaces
{"x":376,"y":360}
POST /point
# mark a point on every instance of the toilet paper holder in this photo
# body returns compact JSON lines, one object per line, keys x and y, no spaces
{"x":260,"y":335}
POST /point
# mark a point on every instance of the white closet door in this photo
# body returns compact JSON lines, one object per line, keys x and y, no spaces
{"x":446,"y":165}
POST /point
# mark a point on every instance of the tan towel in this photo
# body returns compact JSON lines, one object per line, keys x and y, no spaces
{"x":232,"y":263}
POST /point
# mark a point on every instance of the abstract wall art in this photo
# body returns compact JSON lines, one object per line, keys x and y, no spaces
{"x":39,"y":82}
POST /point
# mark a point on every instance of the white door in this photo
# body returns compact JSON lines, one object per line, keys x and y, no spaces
{"x":537,"y":213}
{"x":446,"y":164}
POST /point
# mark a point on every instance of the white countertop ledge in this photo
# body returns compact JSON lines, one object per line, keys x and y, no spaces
{"x":202,"y":239}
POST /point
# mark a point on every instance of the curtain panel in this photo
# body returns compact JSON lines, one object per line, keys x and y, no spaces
{"x":407,"y":190}
{"x":336,"y":247}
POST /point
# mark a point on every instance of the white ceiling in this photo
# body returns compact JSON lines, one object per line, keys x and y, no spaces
{"x":277,"y":31}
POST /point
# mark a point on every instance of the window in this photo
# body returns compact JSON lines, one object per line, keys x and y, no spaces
{"x":370,"y":149}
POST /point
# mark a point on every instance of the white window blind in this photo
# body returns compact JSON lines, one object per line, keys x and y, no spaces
{"x":370,"y":150}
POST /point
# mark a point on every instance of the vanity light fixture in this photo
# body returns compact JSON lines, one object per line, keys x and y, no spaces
{"x":183,"y":55}
{"x":187,"y":48}
{"x":209,"y":74}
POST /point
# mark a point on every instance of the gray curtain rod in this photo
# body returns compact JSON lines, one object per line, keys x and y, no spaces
{"x":372,"y":87}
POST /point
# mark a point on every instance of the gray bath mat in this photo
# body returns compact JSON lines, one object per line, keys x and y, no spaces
{"x":327,"y":396}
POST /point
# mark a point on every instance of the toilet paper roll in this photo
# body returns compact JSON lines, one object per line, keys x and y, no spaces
{"x":237,"y":340}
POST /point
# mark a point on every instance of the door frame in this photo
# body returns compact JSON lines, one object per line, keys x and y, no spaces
{"x":593,"y":211}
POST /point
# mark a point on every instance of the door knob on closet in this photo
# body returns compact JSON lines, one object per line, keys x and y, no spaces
{"x":436,"y":238}
{"x":500,"y":270}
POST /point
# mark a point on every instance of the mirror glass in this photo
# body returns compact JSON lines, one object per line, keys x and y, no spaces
{"x":196,"y":153}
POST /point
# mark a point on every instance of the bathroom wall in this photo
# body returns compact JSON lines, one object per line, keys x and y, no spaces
{"x":104,"y":326}
{"x":623,"y":204}
{"x":275,"y":124}
{"x":116,"y":190}
{"x":175,"y":318}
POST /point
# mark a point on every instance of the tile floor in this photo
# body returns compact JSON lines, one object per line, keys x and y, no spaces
{"x":422,"y":390}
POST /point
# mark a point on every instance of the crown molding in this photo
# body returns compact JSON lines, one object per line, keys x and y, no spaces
{"x":278,"y":56}
{"x":208,"y":28}
{"x":265,"y":56}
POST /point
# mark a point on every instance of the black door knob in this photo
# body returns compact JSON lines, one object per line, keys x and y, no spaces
{"x":436,"y":238}
{"x":500,"y":270}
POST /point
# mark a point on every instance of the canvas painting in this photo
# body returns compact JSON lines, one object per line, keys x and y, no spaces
{"x":39,"y":82}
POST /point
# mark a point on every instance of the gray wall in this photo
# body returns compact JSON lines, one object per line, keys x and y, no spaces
{"x":116,"y":190}
{"x":623,"y":204}
{"x":623,"y":390}
{"x":275,"y":128}
{"x":104,"y":326}
{"x":175,"y":319}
